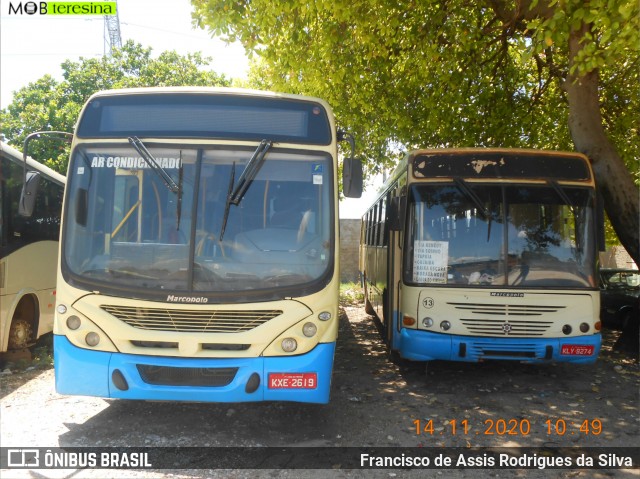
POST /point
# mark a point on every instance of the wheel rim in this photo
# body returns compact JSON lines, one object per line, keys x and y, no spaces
{"x":20,"y":334}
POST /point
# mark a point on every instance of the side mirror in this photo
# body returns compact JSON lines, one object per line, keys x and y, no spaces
{"x":396,"y":212}
{"x":82,"y":203}
{"x":352,"y":178}
{"x":351,"y":169}
{"x":29,"y":194}
{"x":30,"y":179}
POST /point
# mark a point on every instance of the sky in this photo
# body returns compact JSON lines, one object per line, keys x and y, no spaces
{"x":34,"y":45}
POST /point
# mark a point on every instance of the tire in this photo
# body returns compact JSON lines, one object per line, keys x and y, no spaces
{"x":394,"y":357}
{"x":625,"y":318}
{"x":368,"y":308}
{"x":20,"y":334}
{"x":392,"y":354}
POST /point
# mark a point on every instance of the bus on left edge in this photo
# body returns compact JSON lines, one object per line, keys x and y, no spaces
{"x":28,"y":253}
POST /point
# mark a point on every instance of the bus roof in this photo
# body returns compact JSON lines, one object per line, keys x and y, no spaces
{"x":487,"y":163}
{"x":206,"y":113}
{"x":509,"y":151}
{"x":205,"y":90}
{"x":17,"y":156}
{"x":408,"y":158}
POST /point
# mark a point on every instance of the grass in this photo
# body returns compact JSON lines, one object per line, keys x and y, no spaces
{"x":41,"y":356}
{"x":42,"y":353}
{"x":351,"y":293}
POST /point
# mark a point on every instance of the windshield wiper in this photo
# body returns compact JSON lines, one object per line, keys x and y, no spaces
{"x":470,"y":194}
{"x":562,"y":194}
{"x":153,"y":164}
{"x":228,"y":202}
{"x":179,"y":205}
{"x":250,"y":172}
{"x":235,"y":195}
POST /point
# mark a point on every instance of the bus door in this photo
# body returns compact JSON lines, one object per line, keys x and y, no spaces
{"x":393,"y":234}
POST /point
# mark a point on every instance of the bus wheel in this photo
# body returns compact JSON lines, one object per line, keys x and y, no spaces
{"x":20,"y":334}
{"x":368,"y":308}
{"x":626,"y":318}
{"x":394,"y":357}
{"x":392,"y":354}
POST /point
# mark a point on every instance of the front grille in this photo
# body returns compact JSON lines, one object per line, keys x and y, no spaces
{"x":478,"y":350}
{"x":500,"y":327}
{"x":187,"y":320}
{"x":505,"y":319}
{"x":225,"y":347}
{"x":172,"y":376}
{"x":507,"y":309}
{"x":509,"y":354}
{"x":205,"y":346}
{"x":155,"y":344}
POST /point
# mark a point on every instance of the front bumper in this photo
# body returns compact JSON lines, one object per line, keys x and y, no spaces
{"x":426,"y":346}
{"x":96,"y":373}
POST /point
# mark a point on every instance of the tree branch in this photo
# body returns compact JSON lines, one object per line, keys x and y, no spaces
{"x":619,"y":193}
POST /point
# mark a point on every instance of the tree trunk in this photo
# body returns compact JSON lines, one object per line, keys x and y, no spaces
{"x":614,"y":182}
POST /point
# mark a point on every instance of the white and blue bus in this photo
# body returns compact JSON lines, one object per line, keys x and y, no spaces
{"x":199,"y":252}
{"x":476,"y":254}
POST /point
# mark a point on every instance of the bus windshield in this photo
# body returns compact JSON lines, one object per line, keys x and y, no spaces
{"x":127,"y":233}
{"x":499,"y":235}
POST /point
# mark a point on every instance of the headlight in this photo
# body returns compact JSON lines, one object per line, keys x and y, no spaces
{"x":289,"y":345}
{"x":92,"y":339}
{"x":73,"y":322}
{"x":309,"y":330}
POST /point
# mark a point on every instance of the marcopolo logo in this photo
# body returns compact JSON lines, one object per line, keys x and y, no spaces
{"x":187,"y":299}
{"x":62,"y":8}
{"x":508,"y":295}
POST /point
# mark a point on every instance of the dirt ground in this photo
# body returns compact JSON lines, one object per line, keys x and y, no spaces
{"x":374,"y":403}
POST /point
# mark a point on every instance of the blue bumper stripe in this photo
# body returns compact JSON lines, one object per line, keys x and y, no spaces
{"x":89,"y":373}
{"x":425,"y":346}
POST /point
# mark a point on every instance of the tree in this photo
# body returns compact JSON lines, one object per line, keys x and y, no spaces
{"x":557,"y":74}
{"x":47,"y":104}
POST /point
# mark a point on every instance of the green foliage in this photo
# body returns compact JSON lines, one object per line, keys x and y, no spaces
{"x":42,"y":356}
{"x":47,"y":104}
{"x":432,"y":73}
{"x":351,"y":293}
{"x":612,"y":35}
